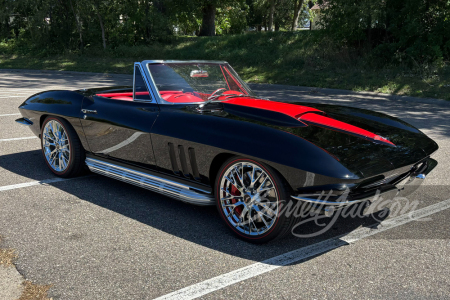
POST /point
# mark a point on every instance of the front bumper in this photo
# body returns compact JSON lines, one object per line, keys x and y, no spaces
{"x":401,"y":187}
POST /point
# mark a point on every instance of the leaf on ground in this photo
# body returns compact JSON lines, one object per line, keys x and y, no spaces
{"x":33,"y":291}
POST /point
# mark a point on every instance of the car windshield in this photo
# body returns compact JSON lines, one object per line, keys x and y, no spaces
{"x":197,"y":82}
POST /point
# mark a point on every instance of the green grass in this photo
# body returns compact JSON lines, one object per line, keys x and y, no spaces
{"x":302,"y":59}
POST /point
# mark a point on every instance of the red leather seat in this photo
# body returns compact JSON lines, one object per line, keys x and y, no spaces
{"x":170,"y":96}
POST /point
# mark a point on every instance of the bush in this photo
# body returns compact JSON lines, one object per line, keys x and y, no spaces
{"x":398,"y":31}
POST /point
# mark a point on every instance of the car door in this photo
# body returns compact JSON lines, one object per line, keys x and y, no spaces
{"x":120,"y":128}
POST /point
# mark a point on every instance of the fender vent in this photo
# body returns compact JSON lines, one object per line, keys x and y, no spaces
{"x":193,"y":161}
{"x":182,"y":156}
{"x":173,"y":159}
{"x":179,"y":159}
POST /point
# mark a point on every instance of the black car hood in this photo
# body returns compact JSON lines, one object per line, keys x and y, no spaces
{"x":363,"y":157}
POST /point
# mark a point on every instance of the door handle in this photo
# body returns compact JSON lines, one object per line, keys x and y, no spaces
{"x":88,"y":111}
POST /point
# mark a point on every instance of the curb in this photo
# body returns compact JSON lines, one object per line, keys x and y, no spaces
{"x":109,"y":75}
{"x":327,"y":91}
{"x":316,"y":90}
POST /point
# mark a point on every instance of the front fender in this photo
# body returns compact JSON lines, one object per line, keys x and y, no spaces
{"x":298,"y":160}
{"x":64,"y":104}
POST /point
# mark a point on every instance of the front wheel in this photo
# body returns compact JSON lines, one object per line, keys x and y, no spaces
{"x":61,"y":148}
{"x":249,"y":197}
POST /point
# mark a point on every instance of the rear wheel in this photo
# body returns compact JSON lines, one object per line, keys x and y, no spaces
{"x":61,"y":148}
{"x":249,"y":196}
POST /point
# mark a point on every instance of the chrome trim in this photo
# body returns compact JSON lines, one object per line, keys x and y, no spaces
{"x":157,"y":184}
{"x":148,"y":83}
{"x":149,"y":78}
{"x":24,"y":121}
{"x":151,"y":82}
{"x":161,"y":61}
{"x":421,"y":176}
{"x":324,"y":202}
{"x":88,"y":111}
{"x":243,"y":81}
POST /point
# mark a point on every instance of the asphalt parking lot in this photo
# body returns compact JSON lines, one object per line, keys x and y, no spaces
{"x":96,"y":238}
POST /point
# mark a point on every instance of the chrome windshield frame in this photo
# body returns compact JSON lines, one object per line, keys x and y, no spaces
{"x":147,"y":83}
{"x":151,"y":82}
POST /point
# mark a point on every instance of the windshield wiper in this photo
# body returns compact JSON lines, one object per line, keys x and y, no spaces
{"x":213,"y":97}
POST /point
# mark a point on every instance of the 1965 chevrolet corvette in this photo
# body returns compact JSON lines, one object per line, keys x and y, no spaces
{"x":194,"y":131}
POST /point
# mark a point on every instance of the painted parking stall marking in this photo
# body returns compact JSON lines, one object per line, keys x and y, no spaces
{"x":13,"y":96}
{"x":18,"y":139}
{"x":7,"y":115}
{"x":224,"y":280}
{"x":33,"y":183}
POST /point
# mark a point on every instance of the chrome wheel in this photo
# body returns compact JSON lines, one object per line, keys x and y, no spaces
{"x":248,"y":198}
{"x":56,"y":146}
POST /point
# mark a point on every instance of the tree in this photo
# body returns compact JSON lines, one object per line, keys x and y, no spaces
{"x":79,"y":25}
{"x":271,"y":14}
{"x":97,"y":6}
{"x":417,"y":31}
{"x":208,"y":27}
{"x":298,"y":7}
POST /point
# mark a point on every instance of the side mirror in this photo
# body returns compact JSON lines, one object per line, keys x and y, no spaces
{"x":199,"y":73}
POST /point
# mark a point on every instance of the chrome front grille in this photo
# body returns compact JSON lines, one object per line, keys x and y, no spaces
{"x":381,"y":182}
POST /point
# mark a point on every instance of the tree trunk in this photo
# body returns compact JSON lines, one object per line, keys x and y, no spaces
{"x":78,"y":26}
{"x":7,"y":27}
{"x":160,"y":6}
{"x":147,"y":20}
{"x":272,"y":12}
{"x":103,"y":30}
{"x":209,"y":20}
{"x":369,"y":31}
{"x":298,"y":5}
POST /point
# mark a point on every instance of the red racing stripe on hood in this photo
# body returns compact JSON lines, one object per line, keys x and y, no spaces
{"x":292,"y":110}
{"x":310,"y":115}
{"x":343,"y":127}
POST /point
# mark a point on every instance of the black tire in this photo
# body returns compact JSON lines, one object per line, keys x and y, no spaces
{"x":280,"y":227}
{"x":76,"y":156}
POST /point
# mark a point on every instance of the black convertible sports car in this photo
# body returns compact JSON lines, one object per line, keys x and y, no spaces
{"x":194,"y":131}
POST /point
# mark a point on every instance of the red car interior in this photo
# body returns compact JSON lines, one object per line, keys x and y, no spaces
{"x":169,"y":96}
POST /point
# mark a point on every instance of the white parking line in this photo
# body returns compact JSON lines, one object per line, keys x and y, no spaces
{"x":14,"y":93}
{"x":5,"y":115}
{"x":33,"y":183}
{"x":17,"y":139}
{"x":224,"y":280}
{"x":13,"y":96}
{"x":3,"y":93}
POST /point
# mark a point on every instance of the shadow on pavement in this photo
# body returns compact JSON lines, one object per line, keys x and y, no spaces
{"x":199,"y":225}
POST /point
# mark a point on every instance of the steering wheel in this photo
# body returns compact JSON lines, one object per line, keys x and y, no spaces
{"x":215,"y":92}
